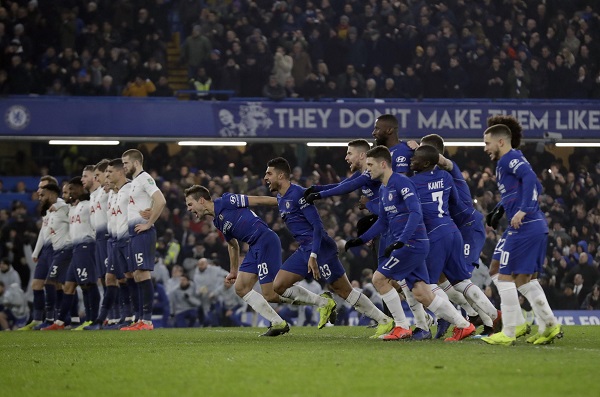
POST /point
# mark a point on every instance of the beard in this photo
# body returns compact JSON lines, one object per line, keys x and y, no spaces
{"x":131,"y":172}
{"x":380,"y":141}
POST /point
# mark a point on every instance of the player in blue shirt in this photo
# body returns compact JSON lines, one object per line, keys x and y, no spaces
{"x":317,"y":253}
{"x":401,"y":214}
{"x":493,"y":218}
{"x":437,"y":194}
{"x":525,"y":245}
{"x":472,"y":230}
{"x":237,"y":223}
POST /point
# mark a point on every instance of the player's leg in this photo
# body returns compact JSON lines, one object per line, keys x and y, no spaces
{"x":294,"y":269}
{"x":362,"y":304}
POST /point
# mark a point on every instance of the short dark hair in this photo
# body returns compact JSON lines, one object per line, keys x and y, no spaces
{"x":434,"y":140}
{"x":53,"y":187}
{"x":197,"y":191}
{"x":115,"y":163}
{"x":428,"y":153}
{"x":389,"y":119}
{"x":76,"y":181}
{"x":280,"y":164}
{"x":516,"y":131}
{"x":499,"y":130}
{"x":381,"y":153}
{"x":361,"y":144}
{"x":102,"y":165}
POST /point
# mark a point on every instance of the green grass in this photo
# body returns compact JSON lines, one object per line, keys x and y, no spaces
{"x":335,"y":361}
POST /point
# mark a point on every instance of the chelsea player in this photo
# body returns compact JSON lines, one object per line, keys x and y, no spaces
{"x":526,"y":238}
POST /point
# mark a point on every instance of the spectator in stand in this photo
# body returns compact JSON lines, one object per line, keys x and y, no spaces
{"x":184,"y":302}
{"x":162,"y":88}
{"x":195,"y":50}
{"x":592,"y":300}
{"x":140,"y":87}
{"x":273,"y":90}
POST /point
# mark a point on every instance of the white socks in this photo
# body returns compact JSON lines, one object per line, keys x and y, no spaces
{"x":363,"y":305}
{"x":442,"y":308}
{"x":392,"y":300}
{"x":262,"y":307}
{"x":416,"y":307}
{"x":301,"y":296}
{"x":511,"y":310}
{"x":535,"y":295}
{"x":478,"y":299}
{"x":457,"y":298}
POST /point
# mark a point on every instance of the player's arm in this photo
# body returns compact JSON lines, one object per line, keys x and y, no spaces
{"x":38,"y":247}
{"x":233,"y":247}
{"x":348,"y":185}
{"x":261,"y":200}
{"x":158,"y":204}
{"x":529,"y":192}
{"x":378,"y":227}
{"x":446,"y":164}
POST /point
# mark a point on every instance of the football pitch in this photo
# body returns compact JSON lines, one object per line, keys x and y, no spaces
{"x":335,"y":361}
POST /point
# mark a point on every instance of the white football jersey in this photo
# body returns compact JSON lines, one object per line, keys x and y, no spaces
{"x":80,"y":223}
{"x":58,"y":226}
{"x":121,"y":211}
{"x":99,"y":210}
{"x":140,"y":197}
{"x":43,"y":237}
{"x":112,"y":214}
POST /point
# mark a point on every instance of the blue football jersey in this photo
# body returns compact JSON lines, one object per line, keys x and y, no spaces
{"x":401,"y":155}
{"x":400,"y":212}
{"x":302,"y":219}
{"x":519,"y":188}
{"x":436,"y":190}
{"x":462,"y":211}
{"x":235,"y":220}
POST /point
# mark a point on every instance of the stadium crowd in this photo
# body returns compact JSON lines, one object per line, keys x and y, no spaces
{"x":192,"y":256}
{"x":302,"y":48}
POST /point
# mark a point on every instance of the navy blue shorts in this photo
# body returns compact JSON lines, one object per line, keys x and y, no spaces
{"x":42,"y":267}
{"x":61,"y":260}
{"x":82,"y":269}
{"x":143,"y":248}
{"x":101,"y":256}
{"x":447,"y":256}
{"x":120,"y":261}
{"x":499,"y":247}
{"x":473,"y":234}
{"x":263,"y":258}
{"x":523,"y":253}
{"x":407,"y":263}
{"x":330,"y":267}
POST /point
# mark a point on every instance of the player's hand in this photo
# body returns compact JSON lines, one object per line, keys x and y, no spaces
{"x":353,"y":242}
{"x":390,"y":248}
{"x":313,"y":268}
{"x":517,"y":219}
{"x":493,"y":218}
{"x":310,"y":190}
{"x":412,"y":144}
{"x":230,"y":278}
{"x":146,"y":213}
{"x":311,"y":198}
{"x":142,"y":227}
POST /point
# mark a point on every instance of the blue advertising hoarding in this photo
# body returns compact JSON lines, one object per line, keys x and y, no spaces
{"x":143,"y":118}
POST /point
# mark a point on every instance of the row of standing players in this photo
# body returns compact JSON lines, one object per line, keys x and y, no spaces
{"x":100,"y":229}
{"x":410,"y":215}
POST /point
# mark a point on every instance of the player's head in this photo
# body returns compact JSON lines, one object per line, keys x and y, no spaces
{"x":76,"y":190}
{"x":115,"y":172}
{"x":379,"y":160}
{"x":87,"y":177}
{"x":434,"y":140}
{"x":424,"y":158}
{"x":357,"y":154}
{"x":198,"y":201}
{"x":513,"y":125}
{"x":497,"y":139}
{"x":46,"y":179}
{"x":100,"y":171}
{"x":133,"y":162}
{"x":48,"y":195}
{"x":277,"y":174}
{"x":386,"y":126}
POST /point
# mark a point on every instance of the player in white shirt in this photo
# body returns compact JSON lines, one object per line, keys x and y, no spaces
{"x":42,"y":256}
{"x":144,"y":194}
{"x":82,"y":269}
{"x":119,"y":273}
